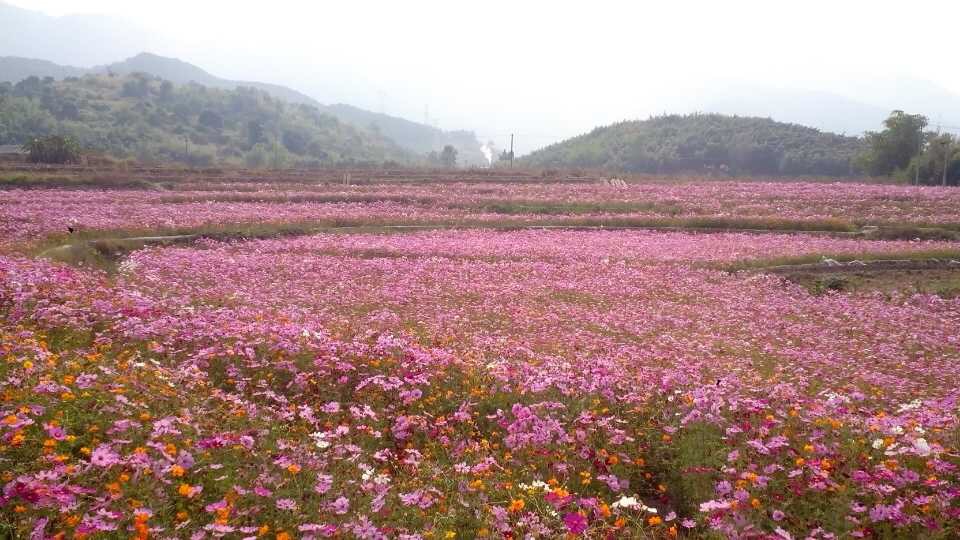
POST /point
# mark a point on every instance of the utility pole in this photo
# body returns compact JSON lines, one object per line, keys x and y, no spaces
{"x":186,"y":148}
{"x":511,"y":150}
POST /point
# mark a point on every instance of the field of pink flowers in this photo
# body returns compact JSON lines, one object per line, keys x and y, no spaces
{"x":28,"y":214}
{"x":473,"y":383}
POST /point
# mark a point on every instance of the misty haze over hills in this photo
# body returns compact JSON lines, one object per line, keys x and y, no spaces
{"x":34,"y":55}
{"x":833,"y":112}
{"x":84,"y":41}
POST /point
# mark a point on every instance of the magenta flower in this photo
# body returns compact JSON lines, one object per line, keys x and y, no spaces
{"x":575,"y":522}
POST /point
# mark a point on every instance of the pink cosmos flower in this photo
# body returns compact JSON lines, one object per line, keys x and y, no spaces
{"x":340,"y":506}
{"x":575,"y":522}
{"x":104,"y":457}
{"x":331,"y":407}
{"x":286,"y":504}
{"x":324,"y":481}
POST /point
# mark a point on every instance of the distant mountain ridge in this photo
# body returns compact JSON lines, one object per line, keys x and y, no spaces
{"x":74,"y":40}
{"x":180,"y":72}
{"x":14,"y":69}
{"x":705,"y":142}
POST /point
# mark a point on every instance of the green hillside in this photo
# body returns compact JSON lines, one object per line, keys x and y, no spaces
{"x":150,"y":119}
{"x":705,"y":142}
{"x":420,"y":139}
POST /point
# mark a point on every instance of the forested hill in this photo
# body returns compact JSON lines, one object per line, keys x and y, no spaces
{"x":421,"y":139}
{"x":705,"y":142}
{"x":151,"y":119}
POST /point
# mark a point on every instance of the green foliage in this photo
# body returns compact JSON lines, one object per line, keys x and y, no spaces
{"x":52,"y":149}
{"x":892,"y":149}
{"x":257,"y":157}
{"x":448,"y":157}
{"x":146,"y":118}
{"x":705,"y":143}
{"x":939,"y":164}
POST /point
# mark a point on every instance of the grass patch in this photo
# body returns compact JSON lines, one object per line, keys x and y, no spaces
{"x":814,"y":258}
{"x":574,"y":208}
{"x":34,"y":181}
{"x":948,"y":232}
{"x":943,"y":283}
{"x":697,"y":453}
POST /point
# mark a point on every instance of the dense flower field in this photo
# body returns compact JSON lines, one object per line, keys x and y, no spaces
{"x":27,"y":214}
{"x":461,"y":384}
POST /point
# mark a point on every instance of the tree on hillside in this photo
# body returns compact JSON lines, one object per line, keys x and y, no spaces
{"x":295,"y":140}
{"x":138,"y":86}
{"x":211,"y":119}
{"x":255,"y":132}
{"x":448,"y":157}
{"x":892,"y":149}
{"x":68,"y":111}
{"x":166,"y":91}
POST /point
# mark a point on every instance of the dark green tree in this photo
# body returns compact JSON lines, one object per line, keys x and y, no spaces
{"x":211,"y":119}
{"x":52,"y":149}
{"x":138,"y":86}
{"x":939,"y":163}
{"x":295,"y":140}
{"x":69,"y":111}
{"x":255,"y":133}
{"x":892,"y":149}
{"x":448,"y":156}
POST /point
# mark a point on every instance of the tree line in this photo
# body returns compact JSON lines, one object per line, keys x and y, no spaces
{"x":906,"y":150}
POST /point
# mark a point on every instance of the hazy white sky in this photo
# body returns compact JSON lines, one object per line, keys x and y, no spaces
{"x":546,"y":69}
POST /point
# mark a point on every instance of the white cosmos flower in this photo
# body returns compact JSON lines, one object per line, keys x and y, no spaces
{"x":915,"y":404}
{"x":877,"y":444}
{"x":320,"y":438}
{"x":633,"y":502}
{"x":921,"y":447}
